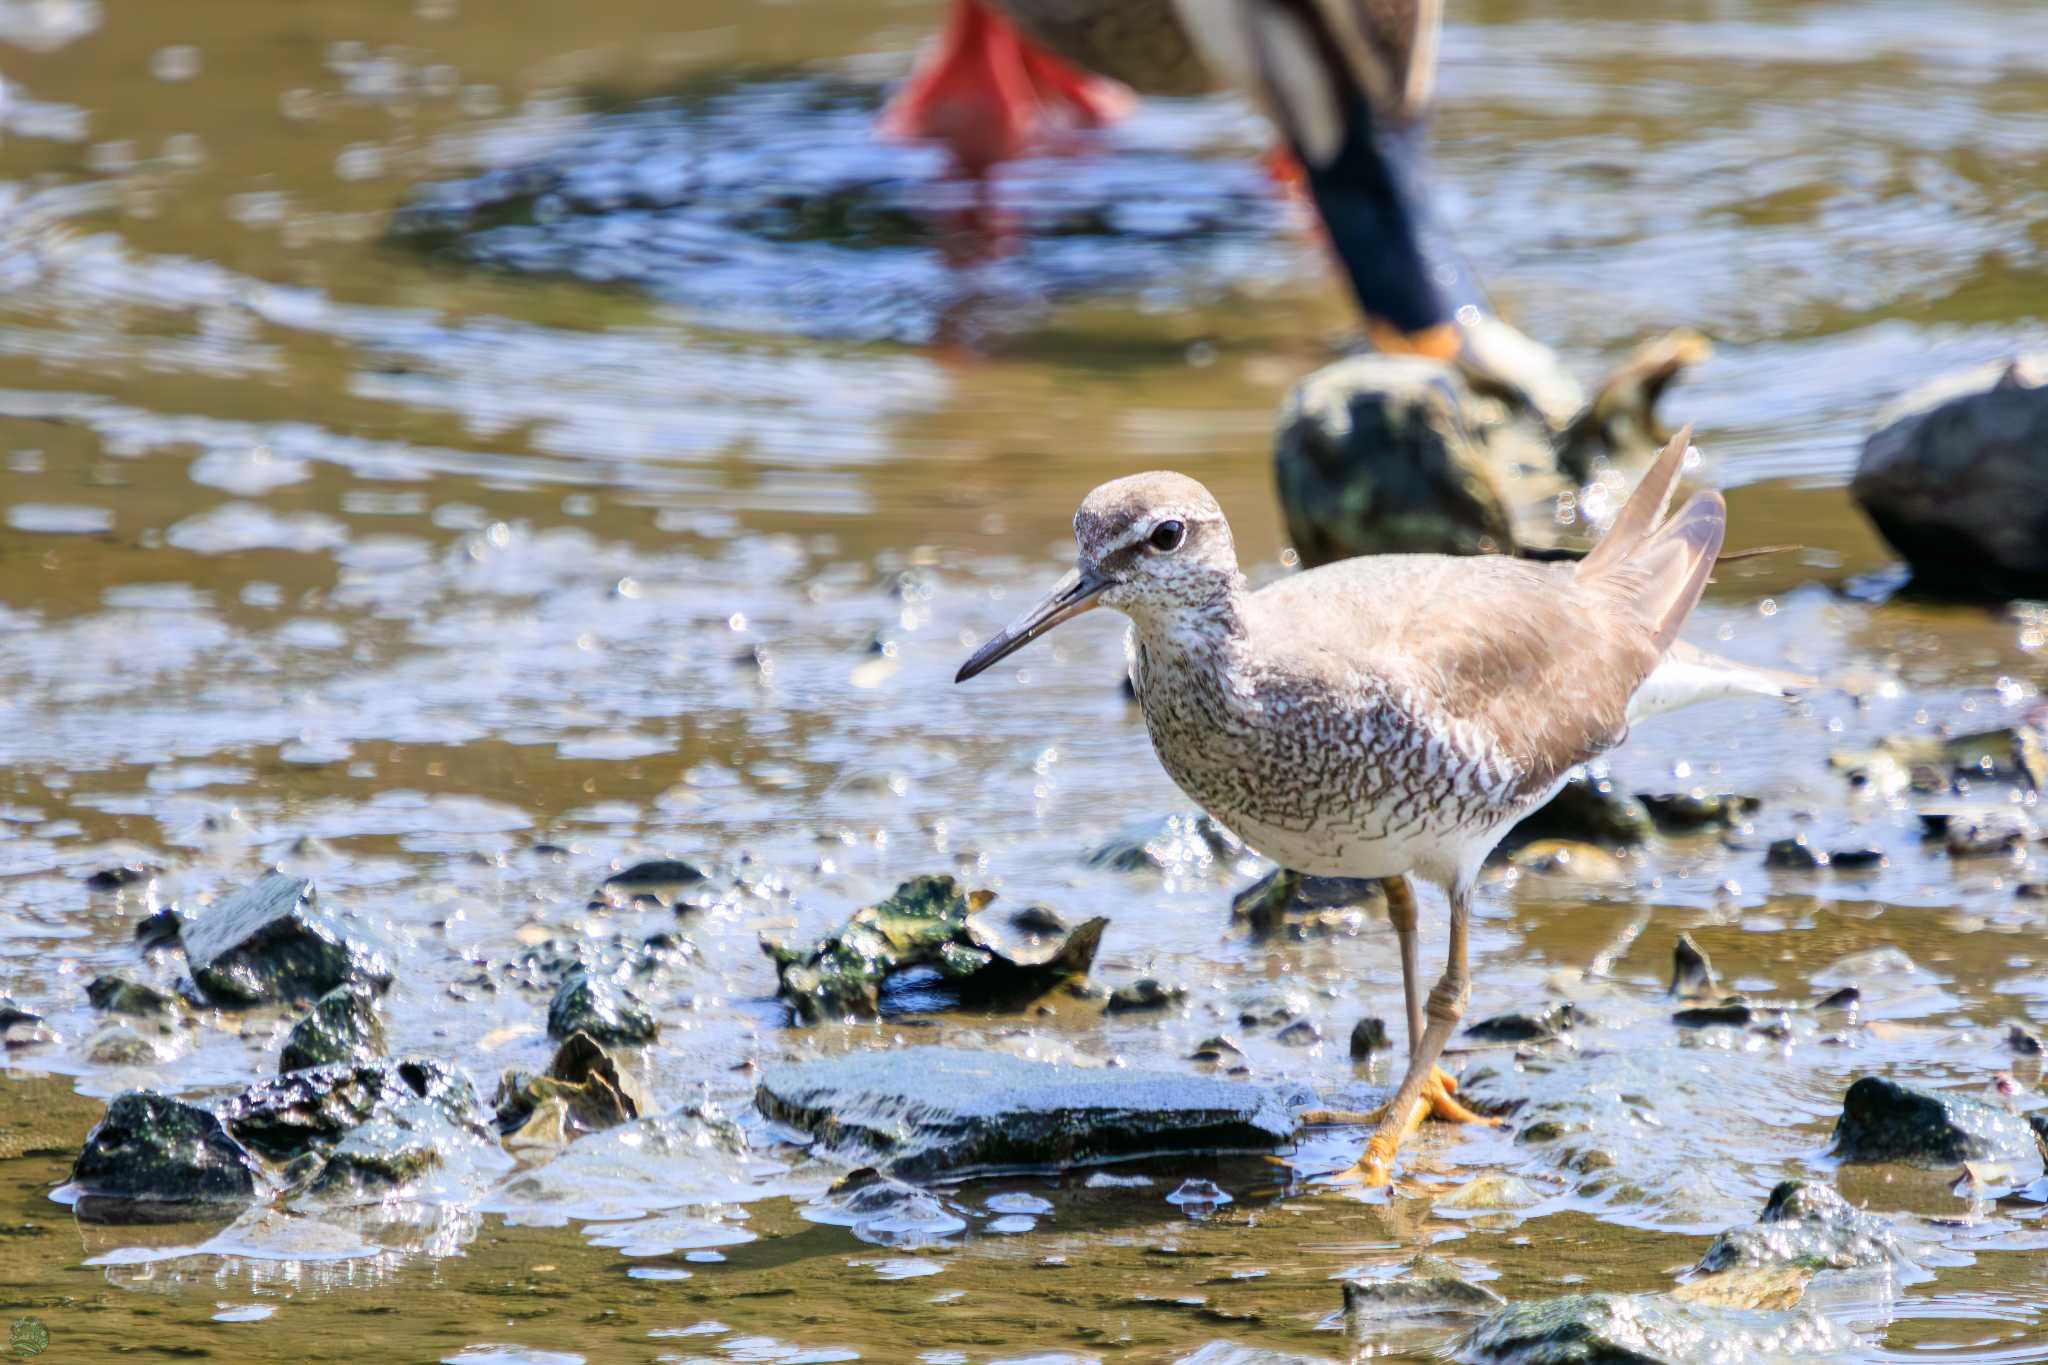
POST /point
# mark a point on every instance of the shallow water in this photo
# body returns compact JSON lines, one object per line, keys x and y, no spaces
{"x":490,"y":575}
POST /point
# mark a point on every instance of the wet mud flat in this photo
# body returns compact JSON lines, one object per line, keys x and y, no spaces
{"x":544,"y":669}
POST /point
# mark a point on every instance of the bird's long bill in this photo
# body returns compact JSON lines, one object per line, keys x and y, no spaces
{"x":1076,"y":593}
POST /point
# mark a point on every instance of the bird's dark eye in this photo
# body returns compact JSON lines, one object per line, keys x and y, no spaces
{"x":1167,"y":536}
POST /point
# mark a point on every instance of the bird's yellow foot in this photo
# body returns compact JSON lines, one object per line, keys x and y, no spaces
{"x":1374,"y":1168}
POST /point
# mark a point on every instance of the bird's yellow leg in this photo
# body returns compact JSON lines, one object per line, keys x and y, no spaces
{"x":1438,"y":1101}
{"x":1423,"y":1090}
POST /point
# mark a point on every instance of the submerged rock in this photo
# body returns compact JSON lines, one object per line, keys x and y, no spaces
{"x":599,"y":1007}
{"x":1587,"y":809}
{"x":1553,"y":1023}
{"x":118,"y":995}
{"x":164,"y":929}
{"x":1682,"y":812}
{"x":1643,"y":1329}
{"x":1734,"y":1012}
{"x":342,"y":1026}
{"x":926,"y":1112}
{"x":1988,"y":833}
{"x":1368,"y":1036}
{"x":1182,"y":843}
{"x":929,"y":923}
{"x":302,"y":1111}
{"x":1806,"y":1225}
{"x":1885,"y":1121}
{"x":655,"y":882}
{"x":1692,"y":973}
{"x":123,"y":876}
{"x":1146,"y":993}
{"x":1303,"y":906}
{"x":1428,"y":1287}
{"x":153,"y":1157}
{"x":22,"y":1028}
{"x":1953,"y":481}
{"x":270,"y":943}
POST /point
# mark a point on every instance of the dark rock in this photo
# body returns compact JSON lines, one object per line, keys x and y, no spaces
{"x":306,"y":1110}
{"x":2031,"y":891}
{"x":1301,"y":906}
{"x":1589,"y":809}
{"x":342,"y":1026}
{"x":600,"y":1008}
{"x":1954,"y":483}
{"x":1732,"y":1013}
{"x":1692,"y":974}
{"x":1987,"y":833}
{"x":22,"y":1028}
{"x":1846,"y":998}
{"x":1792,"y":855}
{"x":1522,"y":1028}
{"x":1855,"y":859}
{"x":1180,"y":843}
{"x":927,"y":923}
{"x":1884,"y":1121}
{"x":1036,"y":919}
{"x":658,"y":872}
{"x":1216,"y":1049}
{"x":1647,"y":1329}
{"x":1144,"y":994}
{"x":270,"y":942}
{"x":118,"y":878}
{"x":1375,"y":456}
{"x":584,"y":1078}
{"x":1809,"y":1225}
{"x":928,"y":1112}
{"x":118,"y":995}
{"x":164,"y":929}
{"x":1682,"y":812}
{"x":153,"y":1157}
{"x":2023,"y":1042}
{"x":1422,"y":1293}
{"x":1368,"y":1035}
{"x":1300,"y":1033}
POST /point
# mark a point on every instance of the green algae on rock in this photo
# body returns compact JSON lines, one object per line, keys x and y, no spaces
{"x":271,"y":942}
{"x":153,"y":1157}
{"x":928,"y":1112}
{"x":342,"y":1026}
{"x":926,"y":922}
{"x":1807,"y":1225}
{"x":302,"y":1111}
{"x":597,"y":1006}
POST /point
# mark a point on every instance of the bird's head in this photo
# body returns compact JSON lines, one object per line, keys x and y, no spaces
{"x":1152,"y":546}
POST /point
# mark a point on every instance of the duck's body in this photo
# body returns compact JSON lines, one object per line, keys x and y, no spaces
{"x":1141,"y":43}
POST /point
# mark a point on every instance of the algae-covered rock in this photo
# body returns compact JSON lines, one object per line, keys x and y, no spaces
{"x":1885,"y":1121}
{"x":1551,"y":1024}
{"x":1647,"y":1329}
{"x":928,"y":922}
{"x":153,"y":1157}
{"x":1145,"y":994}
{"x":1954,"y":482}
{"x":342,"y":1026}
{"x":271,"y":942}
{"x":113,"y":994}
{"x":1302,"y":906}
{"x":1375,"y":455}
{"x":599,"y":1007}
{"x":1697,"y":808}
{"x":927,"y":1112}
{"x":583,"y":1080}
{"x":1807,"y":1225}
{"x":1586,"y":808}
{"x":305,"y":1110}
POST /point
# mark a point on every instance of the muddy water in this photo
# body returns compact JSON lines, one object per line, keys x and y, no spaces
{"x":458,"y":578}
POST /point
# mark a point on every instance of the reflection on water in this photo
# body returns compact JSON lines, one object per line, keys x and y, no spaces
{"x":458,"y":589}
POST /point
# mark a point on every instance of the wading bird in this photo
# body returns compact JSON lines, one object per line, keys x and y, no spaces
{"x":1390,"y":716}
